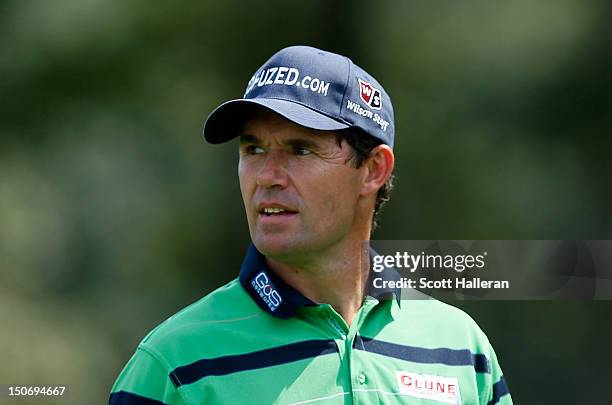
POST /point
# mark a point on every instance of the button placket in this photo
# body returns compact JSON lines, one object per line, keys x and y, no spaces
{"x":335,"y":325}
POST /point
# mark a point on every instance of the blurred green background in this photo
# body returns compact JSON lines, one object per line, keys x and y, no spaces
{"x":114,"y":214}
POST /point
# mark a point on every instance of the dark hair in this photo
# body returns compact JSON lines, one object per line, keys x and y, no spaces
{"x":362,"y":145}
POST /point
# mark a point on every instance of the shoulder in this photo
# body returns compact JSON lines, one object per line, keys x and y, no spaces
{"x":227,"y":309}
{"x":204,"y":329}
{"x":438,"y":312}
{"x":443,"y":324}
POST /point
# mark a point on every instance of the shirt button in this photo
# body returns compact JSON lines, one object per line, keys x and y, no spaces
{"x":362,"y":378}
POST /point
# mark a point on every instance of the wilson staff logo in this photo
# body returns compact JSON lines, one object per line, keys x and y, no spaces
{"x":370,"y":95}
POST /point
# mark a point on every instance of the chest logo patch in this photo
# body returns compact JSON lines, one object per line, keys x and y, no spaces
{"x":428,"y":386}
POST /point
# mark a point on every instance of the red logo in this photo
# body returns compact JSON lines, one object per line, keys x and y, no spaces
{"x":370,"y":95}
{"x":428,"y":386}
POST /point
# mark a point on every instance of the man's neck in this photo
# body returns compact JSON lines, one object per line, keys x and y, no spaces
{"x":337,"y":278}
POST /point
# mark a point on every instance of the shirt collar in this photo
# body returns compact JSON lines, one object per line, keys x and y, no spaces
{"x":279,"y":299}
{"x":268,"y":290}
{"x":387,"y":274}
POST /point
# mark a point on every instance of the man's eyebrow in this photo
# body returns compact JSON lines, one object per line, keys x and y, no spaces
{"x":294,"y":142}
{"x":303,"y":143}
{"x":245,"y":138}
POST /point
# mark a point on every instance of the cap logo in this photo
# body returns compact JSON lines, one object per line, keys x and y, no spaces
{"x":370,"y":95}
{"x":287,"y":76}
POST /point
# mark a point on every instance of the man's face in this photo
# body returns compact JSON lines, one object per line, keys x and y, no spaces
{"x":299,"y":191}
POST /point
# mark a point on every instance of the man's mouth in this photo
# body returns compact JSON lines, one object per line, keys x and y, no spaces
{"x":273,"y":211}
{"x":270,"y":211}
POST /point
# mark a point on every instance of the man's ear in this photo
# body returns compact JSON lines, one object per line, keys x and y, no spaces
{"x":379,"y":167}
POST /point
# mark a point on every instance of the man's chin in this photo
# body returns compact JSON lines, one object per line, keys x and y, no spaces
{"x":273,"y":248}
{"x":278,"y":247}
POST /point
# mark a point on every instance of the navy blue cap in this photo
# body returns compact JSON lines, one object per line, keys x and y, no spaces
{"x":313,"y":88}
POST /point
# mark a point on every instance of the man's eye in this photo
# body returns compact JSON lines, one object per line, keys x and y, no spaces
{"x":301,"y":151}
{"x":253,"y":150}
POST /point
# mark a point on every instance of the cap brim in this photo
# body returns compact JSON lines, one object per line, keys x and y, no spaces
{"x":227,"y":120}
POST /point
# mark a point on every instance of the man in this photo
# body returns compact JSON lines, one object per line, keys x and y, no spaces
{"x":298,"y":325}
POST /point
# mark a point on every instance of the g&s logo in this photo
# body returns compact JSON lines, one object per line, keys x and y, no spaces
{"x":261,"y":283}
{"x":370,"y":95}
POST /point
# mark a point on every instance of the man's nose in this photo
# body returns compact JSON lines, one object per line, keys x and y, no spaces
{"x":274,"y":170}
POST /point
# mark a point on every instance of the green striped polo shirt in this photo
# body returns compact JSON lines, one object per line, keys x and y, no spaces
{"x":257,"y":340}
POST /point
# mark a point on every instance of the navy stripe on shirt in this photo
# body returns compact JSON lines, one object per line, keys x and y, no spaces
{"x":251,"y":361}
{"x":450,"y":357}
{"x":500,"y":389}
{"x":128,"y":398}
